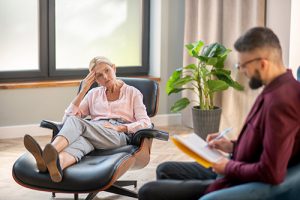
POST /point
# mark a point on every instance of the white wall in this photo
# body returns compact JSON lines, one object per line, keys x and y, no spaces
{"x":155,"y":38}
{"x":278,"y":19}
{"x":283,"y":17}
{"x":172,"y":35}
{"x":294,"y":57}
{"x":29,"y":106}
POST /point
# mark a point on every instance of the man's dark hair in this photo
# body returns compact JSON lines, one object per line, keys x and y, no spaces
{"x":258,"y":37}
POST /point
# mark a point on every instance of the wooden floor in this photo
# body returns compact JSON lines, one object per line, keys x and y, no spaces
{"x":11,"y":149}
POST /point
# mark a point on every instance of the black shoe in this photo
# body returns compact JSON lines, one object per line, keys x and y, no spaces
{"x":34,"y":148}
{"x":51,"y":158}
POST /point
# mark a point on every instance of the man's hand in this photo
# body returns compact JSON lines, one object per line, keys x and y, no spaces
{"x":221,"y":144}
{"x":219,"y":167}
{"x":119,"y":128}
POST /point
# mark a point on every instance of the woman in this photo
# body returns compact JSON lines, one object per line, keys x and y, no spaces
{"x":116,"y":110}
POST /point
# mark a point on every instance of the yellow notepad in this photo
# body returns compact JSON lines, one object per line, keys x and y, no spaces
{"x":195,"y":147}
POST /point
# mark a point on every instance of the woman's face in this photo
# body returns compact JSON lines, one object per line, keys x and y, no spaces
{"x":105,"y":74}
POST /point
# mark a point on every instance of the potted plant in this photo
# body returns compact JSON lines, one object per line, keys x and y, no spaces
{"x":204,"y":79}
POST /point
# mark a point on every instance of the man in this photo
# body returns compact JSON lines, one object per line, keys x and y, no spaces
{"x":269,"y":140}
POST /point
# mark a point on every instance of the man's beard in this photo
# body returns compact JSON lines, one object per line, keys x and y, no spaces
{"x":255,"y":81}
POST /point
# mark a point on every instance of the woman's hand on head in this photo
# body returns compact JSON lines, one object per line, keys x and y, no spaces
{"x":89,"y":80}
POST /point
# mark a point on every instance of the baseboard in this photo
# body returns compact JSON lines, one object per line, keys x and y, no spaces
{"x":7,"y":132}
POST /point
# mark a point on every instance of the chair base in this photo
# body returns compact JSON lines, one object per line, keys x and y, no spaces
{"x":116,"y":188}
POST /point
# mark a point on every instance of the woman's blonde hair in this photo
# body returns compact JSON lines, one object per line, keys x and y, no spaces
{"x":97,"y":60}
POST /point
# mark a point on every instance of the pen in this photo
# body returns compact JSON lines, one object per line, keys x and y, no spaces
{"x":222,"y":134}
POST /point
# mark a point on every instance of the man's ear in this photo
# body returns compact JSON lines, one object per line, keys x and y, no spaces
{"x":264,"y":64}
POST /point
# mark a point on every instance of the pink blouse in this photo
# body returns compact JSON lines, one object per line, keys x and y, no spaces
{"x":129,"y":107}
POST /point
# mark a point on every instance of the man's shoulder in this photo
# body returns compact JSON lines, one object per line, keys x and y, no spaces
{"x":287,"y":90}
{"x":286,"y":97}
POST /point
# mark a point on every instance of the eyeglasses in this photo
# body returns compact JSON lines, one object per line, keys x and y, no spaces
{"x":244,"y":65}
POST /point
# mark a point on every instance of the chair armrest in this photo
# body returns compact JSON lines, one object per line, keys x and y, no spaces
{"x":149,"y":133}
{"x":54,"y":126}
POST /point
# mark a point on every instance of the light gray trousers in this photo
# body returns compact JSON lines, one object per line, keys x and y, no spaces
{"x":84,"y":136}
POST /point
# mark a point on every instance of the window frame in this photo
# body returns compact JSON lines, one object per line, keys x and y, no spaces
{"x":47,"y":69}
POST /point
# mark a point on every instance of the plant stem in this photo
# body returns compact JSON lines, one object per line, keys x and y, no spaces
{"x":211,"y":97}
{"x":205,"y":89}
{"x":199,"y":86}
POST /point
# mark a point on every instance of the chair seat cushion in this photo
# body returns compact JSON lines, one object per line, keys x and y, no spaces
{"x":81,"y":177}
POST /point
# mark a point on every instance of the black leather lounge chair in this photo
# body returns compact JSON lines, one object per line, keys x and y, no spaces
{"x":101,"y":169}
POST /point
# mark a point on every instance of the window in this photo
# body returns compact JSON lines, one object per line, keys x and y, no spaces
{"x":56,"y":39}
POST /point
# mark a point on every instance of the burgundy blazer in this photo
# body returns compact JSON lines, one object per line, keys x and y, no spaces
{"x":269,"y":141}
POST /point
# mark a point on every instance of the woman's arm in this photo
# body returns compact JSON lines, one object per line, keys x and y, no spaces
{"x":78,"y":107}
{"x":86,"y":84}
{"x":140,"y":114}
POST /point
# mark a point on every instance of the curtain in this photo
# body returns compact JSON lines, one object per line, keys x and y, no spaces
{"x":223,"y":21}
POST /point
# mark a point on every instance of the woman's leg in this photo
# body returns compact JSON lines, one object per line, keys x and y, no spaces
{"x":72,"y":129}
{"x":77,"y":138}
{"x":104,"y":138}
{"x":60,"y":143}
{"x":54,"y":154}
{"x":57,"y":162}
{"x":75,"y":151}
{"x":66,"y":160}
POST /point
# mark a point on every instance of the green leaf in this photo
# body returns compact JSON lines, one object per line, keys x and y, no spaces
{"x":194,"y":48}
{"x":204,"y":72}
{"x":217,"y":85}
{"x":189,"y":46}
{"x":172,"y":79}
{"x":218,"y":71}
{"x":198,"y":46}
{"x":237,"y":86}
{"x":224,"y":75}
{"x":203,"y":58}
{"x":182,"y":81}
{"x":175,"y":90}
{"x":212,"y":61}
{"x":221,"y":59}
{"x":209,"y":51}
{"x":221,"y":50}
{"x":180,"y":104}
{"x":191,"y":66}
{"x":217,"y":51}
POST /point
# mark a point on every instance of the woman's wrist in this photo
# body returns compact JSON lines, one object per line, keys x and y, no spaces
{"x":123,"y":128}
